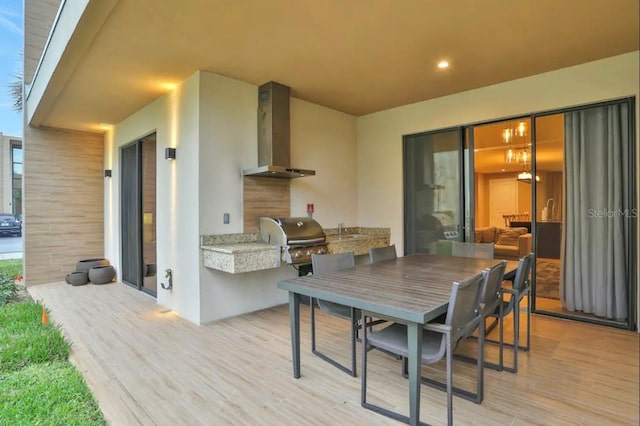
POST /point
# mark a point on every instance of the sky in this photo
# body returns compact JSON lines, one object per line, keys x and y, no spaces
{"x":11,"y":34}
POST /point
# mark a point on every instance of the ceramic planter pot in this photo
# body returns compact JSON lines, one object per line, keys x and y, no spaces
{"x":77,"y":278}
{"x":85,"y":264}
{"x":102,"y":274}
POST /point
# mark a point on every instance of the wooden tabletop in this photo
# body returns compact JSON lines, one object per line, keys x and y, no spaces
{"x":413,"y":288}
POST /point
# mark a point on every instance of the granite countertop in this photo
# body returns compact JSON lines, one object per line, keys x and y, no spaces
{"x":232,"y":239}
{"x":238,"y":247}
{"x":357,"y":231}
{"x":357,"y":239}
{"x":238,"y":253}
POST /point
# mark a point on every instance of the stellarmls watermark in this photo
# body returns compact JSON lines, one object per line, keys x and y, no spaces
{"x":606,"y":213}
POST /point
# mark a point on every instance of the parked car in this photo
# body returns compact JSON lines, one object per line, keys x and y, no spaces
{"x":9,"y":225}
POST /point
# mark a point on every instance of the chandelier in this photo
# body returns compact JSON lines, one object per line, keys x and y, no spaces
{"x":519,"y":154}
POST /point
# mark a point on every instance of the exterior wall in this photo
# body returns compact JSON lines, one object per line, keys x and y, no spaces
{"x":380,"y":196}
{"x":62,"y":201}
{"x":321,"y":139}
{"x":228,"y":144}
{"x":324,"y":140}
{"x":212,"y":122}
{"x":174,"y":118}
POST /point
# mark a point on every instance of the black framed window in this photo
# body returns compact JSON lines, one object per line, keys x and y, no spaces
{"x":16,"y":177}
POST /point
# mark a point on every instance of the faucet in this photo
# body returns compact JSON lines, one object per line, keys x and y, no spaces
{"x":340,"y":229}
{"x":550,"y":213}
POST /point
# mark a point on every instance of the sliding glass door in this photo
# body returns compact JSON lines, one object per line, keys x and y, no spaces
{"x":561,"y":184}
{"x":433,"y":191}
{"x":138,"y":214}
{"x":586,"y":215}
{"x":548,"y":217}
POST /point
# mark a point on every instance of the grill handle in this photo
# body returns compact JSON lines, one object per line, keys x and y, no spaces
{"x":307,"y":241}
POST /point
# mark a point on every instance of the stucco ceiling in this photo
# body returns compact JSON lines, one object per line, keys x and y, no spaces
{"x":357,"y":56}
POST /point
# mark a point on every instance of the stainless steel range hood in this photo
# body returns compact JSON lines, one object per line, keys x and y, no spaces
{"x":278,"y":172}
{"x":273,"y":134}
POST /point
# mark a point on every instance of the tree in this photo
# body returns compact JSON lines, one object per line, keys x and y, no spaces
{"x":15,"y":90}
{"x":16,"y":86}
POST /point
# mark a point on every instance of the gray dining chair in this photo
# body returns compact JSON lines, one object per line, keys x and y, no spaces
{"x":477,"y":250}
{"x":439,"y":340}
{"x":378,"y":254}
{"x":328,"y":263}
{"x":490,"y":302}
{"x":520,"y":288}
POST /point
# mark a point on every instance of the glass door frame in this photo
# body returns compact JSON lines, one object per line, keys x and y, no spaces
{"x":138,"y":228}
{"x":467,"y":207}
{"x":461,"y":194}
{"x":632,"y":271}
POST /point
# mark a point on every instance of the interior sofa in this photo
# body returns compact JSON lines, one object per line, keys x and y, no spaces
{"x":510,"y":243}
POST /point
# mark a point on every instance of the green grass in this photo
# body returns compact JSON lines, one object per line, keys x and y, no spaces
{"x":38,"y":385}
{"x":11,"y":268}
{"x":24,"y":340}
{"x":9,"y":271}
{"x":47,"y":394}
{"x":8,"y":289}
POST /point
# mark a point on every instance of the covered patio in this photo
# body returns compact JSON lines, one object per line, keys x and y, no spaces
{"x":146,"y":365}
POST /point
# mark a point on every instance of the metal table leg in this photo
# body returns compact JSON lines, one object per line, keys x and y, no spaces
{"x":414,"y":336}
{"x":294,"y":320}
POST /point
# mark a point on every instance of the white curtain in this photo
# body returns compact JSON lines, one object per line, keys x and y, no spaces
{"x":597,"y":212}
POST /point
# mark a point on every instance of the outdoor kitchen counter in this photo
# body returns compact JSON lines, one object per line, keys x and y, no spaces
{"x":238,"y":253}
{"x":357,"y":239}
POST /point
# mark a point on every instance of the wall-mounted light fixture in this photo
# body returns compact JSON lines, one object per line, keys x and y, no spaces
{"x":107,"y":173}
{"x":170,"y":153}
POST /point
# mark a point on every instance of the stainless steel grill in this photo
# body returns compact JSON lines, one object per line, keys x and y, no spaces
{"x":298,"y":237}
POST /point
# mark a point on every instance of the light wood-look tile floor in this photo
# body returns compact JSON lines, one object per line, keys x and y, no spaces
{"x":148,"y":366}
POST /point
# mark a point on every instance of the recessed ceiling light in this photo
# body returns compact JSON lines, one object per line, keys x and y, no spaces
{"x":443,"y":64}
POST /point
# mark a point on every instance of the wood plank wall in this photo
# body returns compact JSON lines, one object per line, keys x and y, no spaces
{"x":39,"y":16}
{"x":264,"y":196}
{"x":63,"y":201}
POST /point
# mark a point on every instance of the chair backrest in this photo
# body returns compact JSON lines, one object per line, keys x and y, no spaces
{"x":509,"y":218}
{"x":521,"y":280}
{"x":332,"y":262}
{"x":491,"y":287}
{"x":328,"y":263}
{"x":440,"y":247}
{"x":477,"y":250}
{"x":378,"y":254}
{"x":464,"y":307}
{"x":520,"y":283}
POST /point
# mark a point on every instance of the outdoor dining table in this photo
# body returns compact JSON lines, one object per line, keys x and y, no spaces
{"x":412,"y":290}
